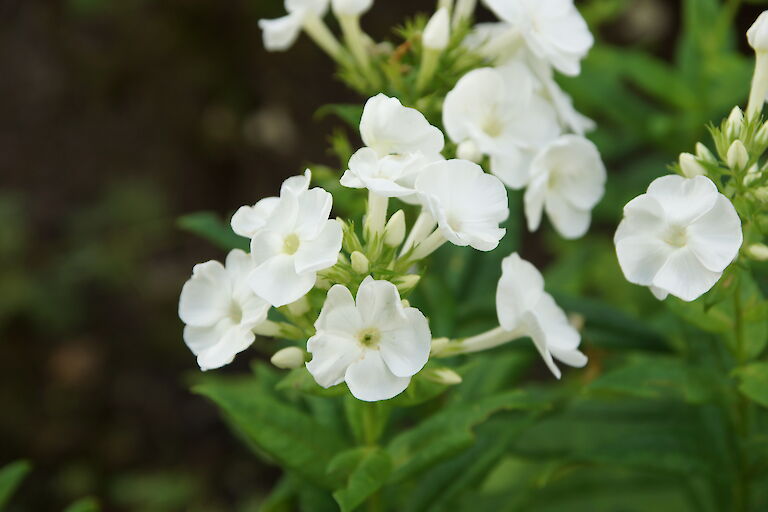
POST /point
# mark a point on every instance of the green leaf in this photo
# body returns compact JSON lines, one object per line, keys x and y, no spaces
{"x":350,"y":114}
{"x":450,"y":431}
{"x":368,"y":469}
{"x":656,"y":377}
{"x":84,"y":505}
{"x":753,"y":382}
{"x":286,"y":434}
{"x":209,"y":226}
{"x":302,"y":381}
{"x":11,"y":477}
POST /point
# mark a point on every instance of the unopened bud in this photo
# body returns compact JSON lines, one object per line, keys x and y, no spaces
{"x":406,"y":283}
{"x":753,"y":174}
{"x":734,"y":123}
{"x":437,"y":33}
{"x":438,"y":346}
{"x":394,"y":231}
{"x":762,"y":135}
{"x":288,"y":358}
{"x":690,"y":166}
{"x":758,"y":252}
{"x":704,"y":154}
{"x":445,"y":376}
{"x":761,"y":194}
{"x":757,"y":35}
{"x":737,"y":157}
{"x":359,"y":262}
{"x":468,"y":150}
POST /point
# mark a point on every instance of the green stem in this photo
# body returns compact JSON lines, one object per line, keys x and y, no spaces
{"x":742,"y":489}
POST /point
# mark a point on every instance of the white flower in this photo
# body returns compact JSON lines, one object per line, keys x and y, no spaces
{"x":524,"y":307}
{"x":678,"y":237}
{"x":553,"y":30}
{"x":388,"y":176}
{"x":374,"y":344}
{"x":220,"y":311}
{"x":467,"y":203}
{"x":505,"y":121}
{"x":249,"y":220}
{"x":389,"y":128}
{"x":296,"y":240}
{"x":757,"y":35}
{"x":280,"y":33}
{"x":351,"y":7}
{"x":567,"y":181}
{"x":437,"y":33}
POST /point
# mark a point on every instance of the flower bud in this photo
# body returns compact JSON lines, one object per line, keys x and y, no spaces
{"x":753,"y":174}
{"x":350,"y":7}
{"x":406,"y":283}
{"x":288,"y":358}
{"x":359,"y":262}
{"x":757,"y":35}
{"x":737,"y":157}
{"x":758,"y":252}
{"x":690,"y":166}
{"x":445,"y":376}
{"x":437,"y":33}
{"x":761,"y":194}
{"x":468,"y":150}
{"x":762,"y":135}
{"x":704,"y":154}
{"x":439,"y":345}
{"x":394,"y":231}
{"x":734,"y":123}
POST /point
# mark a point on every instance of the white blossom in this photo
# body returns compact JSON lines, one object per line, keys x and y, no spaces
{"x":678,"y":237}
{"x":351,"y":7}
{"x":373,"y":343}
{"x":220,"y":310}
{"x":553,"y":30}
{"x":524,"y":308}
{"x":567,"y":181}
{"x":437,"y":32}
{"x":504,"y":121}
{"x":387,"y":176}
{"x":296,"y":240}
{"x":249,"y":220}
{"x":280,"y":33}
{"x":467,"y":203}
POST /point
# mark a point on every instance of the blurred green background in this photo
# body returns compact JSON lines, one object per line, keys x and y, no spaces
{"x":117,"y":117}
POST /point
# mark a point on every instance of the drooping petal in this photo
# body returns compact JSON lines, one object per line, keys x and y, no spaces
{"x":296,"y":184}
{"x":570,"y":222}
{"x":371,"y":380}
{"x":519,"y":290}
{"x":716,"y":236}
{"x":332,"y":353}
{"x":684,"y":276}
{"x":390,"y":128}
{"x":205,"y":298}
{"x":235,"y":340}
{"x":277,"y":281}
{"x":248,"y":220}
{"x":279,"y":34}
{"x":405,"y":350}
{"x":321,"y":252}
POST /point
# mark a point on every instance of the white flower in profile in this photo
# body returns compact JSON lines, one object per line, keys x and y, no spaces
{"x":523,"y":307}
{"x":486,"y":113}
{"x":553,"y":30}
{"x":279,"y":34}
{"x":249,"y":220}
{"x":567,"y":181}
{"x":351,"y":7}
{"x":437,"y":32}
{"x":373,"y":343}
{"x":389,"y":128}
{"x":296,"y":240}
{"x":678,"y":237}
{"x":220,"y":310}
{"x":467,"y":204}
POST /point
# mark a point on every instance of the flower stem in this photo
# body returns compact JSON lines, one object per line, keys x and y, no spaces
{"x":483,"y":341}
{"x":356,"y":42}
{"x":432,"y":243}
{"x":376,"y":217}
{"x":429,"y":60}
{"x":421,"y":228}
{"x":318,"y":31}
{"x":757,"y":94}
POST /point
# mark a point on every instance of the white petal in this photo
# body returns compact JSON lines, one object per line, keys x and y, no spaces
{"x":570,"y":222}
{"x":659,"y":293}
{"x":238,"y":264}
{"x":339,"y":313}
{"x":643,"y":216}
{"x":206,"y":296}
{"x":280,"y":34}
{"x":371,"y":380}
{"x":534,"y":199}
{"x":248,"y":220}
{"x":321,"y":252}
{"x":715,"y":237}
{"x":235,"y":340}
{"x":520,"y":287}
{"x":277,"y":281}
{"x":405,"y":350}
{"x":390,"y":128}
{"x":574,"y":358}
{"x":318,"y":7}
{"x":199,"y":339}
{"x":312,"y":216}
{"x":642,"y":257}
{"x":576,"y":170}
{"x":332,"y":353}
{"x":559,"y":332}
{"x":296,"y":185}
{"x":379,"y":304}
{"x":684,"y":199}
{"x":684,"y":276}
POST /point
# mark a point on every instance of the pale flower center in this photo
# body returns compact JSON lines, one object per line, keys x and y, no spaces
{"x":493,"y":126}
{"x":676,"y":236}
{"x":235,"y":312}
{"x":291,"y":244}
{"x":369,"y":338}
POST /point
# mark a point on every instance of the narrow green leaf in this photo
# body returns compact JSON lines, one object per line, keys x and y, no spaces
{"x":211,"y":227}
{"x":368,"y":469}
{"x":11,"y":477}
{"x":753,"y":382}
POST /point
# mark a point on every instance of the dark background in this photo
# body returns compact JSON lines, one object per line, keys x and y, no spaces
{"x":115,"y":119}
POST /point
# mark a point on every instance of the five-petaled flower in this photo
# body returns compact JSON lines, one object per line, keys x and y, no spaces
{"x":373,"y":342}
{"x":678,"y":237}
